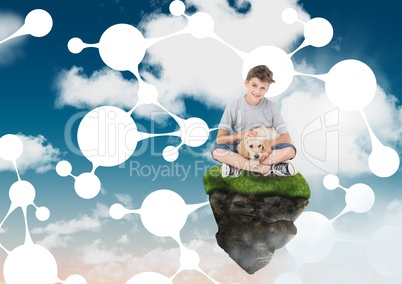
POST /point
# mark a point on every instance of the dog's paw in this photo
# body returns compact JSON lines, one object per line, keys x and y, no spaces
{"x":254,"y":163}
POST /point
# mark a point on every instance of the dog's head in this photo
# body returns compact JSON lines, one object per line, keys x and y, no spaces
{"x":253,"y":148}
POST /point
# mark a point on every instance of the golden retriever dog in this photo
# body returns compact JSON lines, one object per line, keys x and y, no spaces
{"x":252,"y":148}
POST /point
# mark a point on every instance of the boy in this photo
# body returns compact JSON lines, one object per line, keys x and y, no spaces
{"x":248,"y":112}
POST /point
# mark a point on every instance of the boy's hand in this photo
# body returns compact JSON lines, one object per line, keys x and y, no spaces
{"x":264,"y":155}
{"x":250,"y":135}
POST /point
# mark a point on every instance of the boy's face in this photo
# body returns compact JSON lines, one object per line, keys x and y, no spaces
{"x":256,"y":90}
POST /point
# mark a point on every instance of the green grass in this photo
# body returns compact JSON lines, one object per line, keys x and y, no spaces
{"x":255,"y":184}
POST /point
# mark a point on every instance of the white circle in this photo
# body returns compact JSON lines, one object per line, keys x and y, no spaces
{"x":318,"y":32}
{"x":75,"y":279}
{"x":147,"y":93}
{"x":289,"y":16}
{"x":277,"y":61}
{"x":148,"y":278}
{"x":104,"y":136}
{"x":314,"y":240}
{"x":117,"y":211}
{"x":359,"y":198}
{"x":331,"y":181}
{"x":189,"y":259}
{"x":177,"y":8}
{"x":22,"y":193}
{"x":196,"y":132}
{"x":288,"y":278}
{"x":30,"y":264}
{"x":87,"y":185}
{"x":350,"y":85}
{"x":63,"y":168}
{"x":75,"y":45}
{"x":170,"y":153}
{"x":383,"y":161}
{"x":201,"y":25}
{"x":42,"y":213}
{"x":384,"y":251}
{"x":11,"y":147}
{"x":38,"y":23}
{"x":164,"y":213}
{"x":122,"y":47}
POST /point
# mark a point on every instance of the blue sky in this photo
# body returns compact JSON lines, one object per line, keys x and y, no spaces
{"x":372,"y":33}
{"x":31,"y":85}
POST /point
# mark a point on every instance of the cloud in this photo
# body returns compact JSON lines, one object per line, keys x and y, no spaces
{"x":60,"y":233}
{"x":389,"y":109}
{"x":206,"y":70}
{"x":54,"y":241}
{"x":306,"y":101}
{"x":392,"y":214}
{"x":203,"y":69}
{"x":97,"y":254}
{"x":103,"y":87}
{"x":101,"y":211}
{"x":107,"y":265}
{"x":127,"y":201}
{"x":38,"y":154}
{"x":124,"y":199}
{"x":117,"y":265}
{"x":337,"y":43}
{"x":360,"y":227}
{"x":123,"y":239}
{"x":9,"y":24}
{"x":351,"y":253}
{"x":203,"y":212}
{"x":113,"y":263}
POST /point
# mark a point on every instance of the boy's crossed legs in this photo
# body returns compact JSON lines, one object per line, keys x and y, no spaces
{"x":227,"y":154}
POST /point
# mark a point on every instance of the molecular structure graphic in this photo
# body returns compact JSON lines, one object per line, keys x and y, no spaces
{"x":350,"y":85}
{"x":122,"y":47}
{"x":29,"y":262}
{"x":159,"y":219}
{"x":108,"y":136}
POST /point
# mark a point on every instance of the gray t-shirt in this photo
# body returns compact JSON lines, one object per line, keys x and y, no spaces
{"x":239,"y":116}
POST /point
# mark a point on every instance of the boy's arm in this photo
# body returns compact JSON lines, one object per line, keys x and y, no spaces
{"x":223,"y":136}
{"x":283,"y":138}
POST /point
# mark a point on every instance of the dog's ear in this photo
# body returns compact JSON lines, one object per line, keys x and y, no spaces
{"x":241,"y":148}
{"x":267,"y":146}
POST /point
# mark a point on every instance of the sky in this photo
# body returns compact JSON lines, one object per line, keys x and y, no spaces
{"x":46,"y":90}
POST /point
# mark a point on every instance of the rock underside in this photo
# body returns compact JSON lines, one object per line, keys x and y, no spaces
{"x":251,"y":228}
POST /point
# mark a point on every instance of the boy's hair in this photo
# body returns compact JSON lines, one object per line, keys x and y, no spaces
{"x":261,"y":72}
